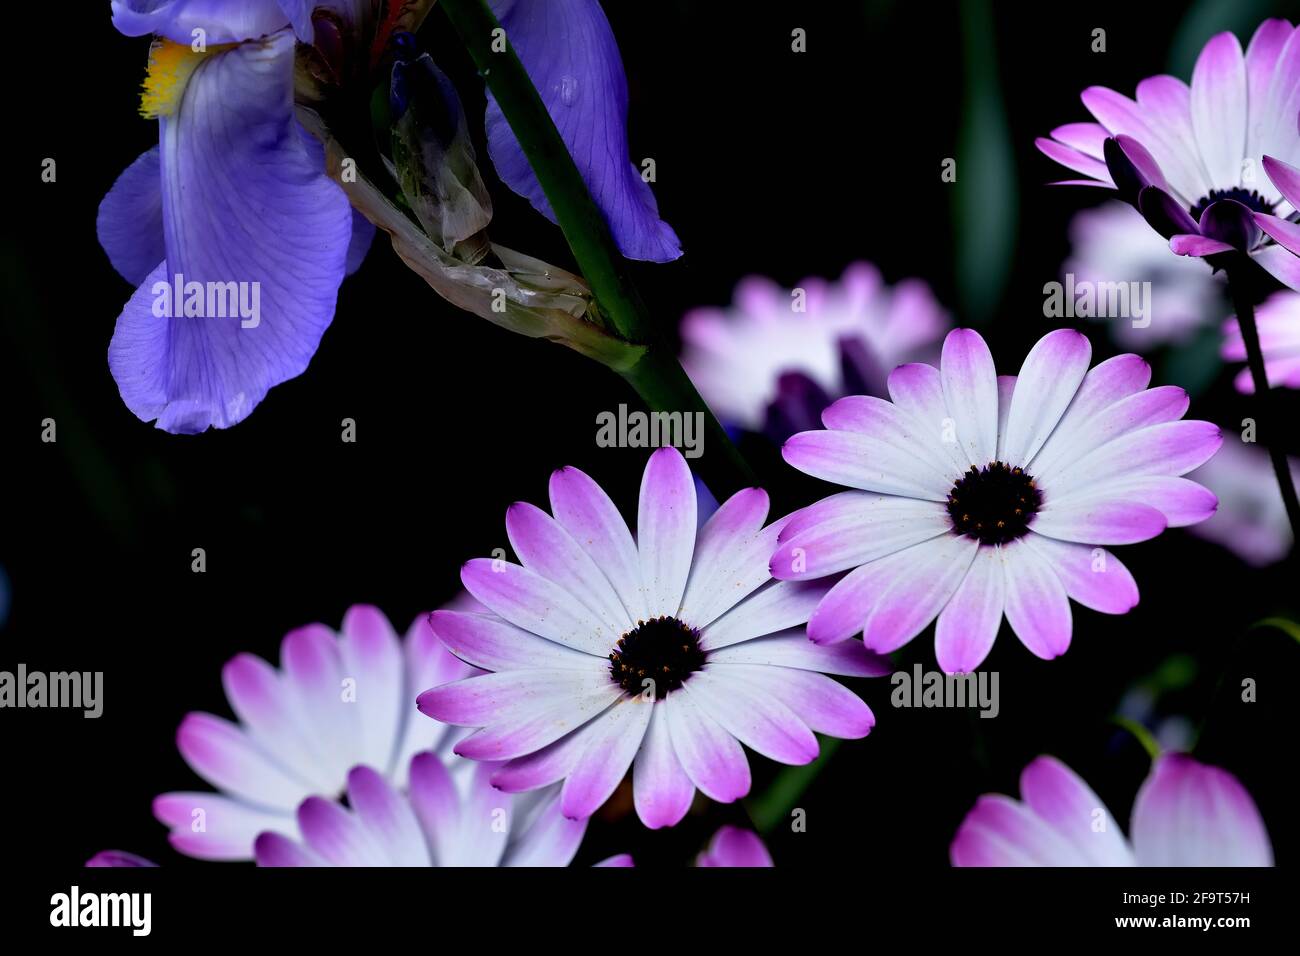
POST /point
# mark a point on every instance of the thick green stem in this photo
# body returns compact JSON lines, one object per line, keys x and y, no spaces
{"x":1240,"y":275}
{"x":657,"y":378}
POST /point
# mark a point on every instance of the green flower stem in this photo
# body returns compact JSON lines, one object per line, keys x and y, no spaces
{"x":1241,"y":272}
{"x":773,"y":808}
{"x":658,"y":378}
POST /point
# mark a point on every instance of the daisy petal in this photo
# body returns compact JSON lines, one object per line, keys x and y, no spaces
{"x":1037,"y":607}
{"x":1189,"y":814}
{"x":969,"y":623}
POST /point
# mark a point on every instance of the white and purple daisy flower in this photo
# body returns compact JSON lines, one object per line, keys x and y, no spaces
{"x":337,"y":701}
{"x":774,"y":359}
{"x":664,"y":652}
{"x":1278,"y":320}
{"x":1185,"y":814}
{"x":449,"y":815}
{"x":1210,"y":166}
{"x":1113,"y":240}
{"x":978,"y":495}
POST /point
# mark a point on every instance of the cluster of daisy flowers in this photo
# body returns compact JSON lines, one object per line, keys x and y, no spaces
{"x":669,"y":647}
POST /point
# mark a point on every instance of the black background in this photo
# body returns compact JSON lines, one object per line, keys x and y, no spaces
{"x":769,"y":162}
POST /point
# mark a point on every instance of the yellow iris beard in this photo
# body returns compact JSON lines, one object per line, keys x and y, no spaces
{"x":170,"y":67}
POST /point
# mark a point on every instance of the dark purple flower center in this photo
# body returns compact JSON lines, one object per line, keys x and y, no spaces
{"x":994,"y":504}
{"x":1249,"y":198}
{"x":658,"y":655}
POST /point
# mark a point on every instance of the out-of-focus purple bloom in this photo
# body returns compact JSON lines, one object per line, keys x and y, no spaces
{"x":777,"y":357}
{"x":1210,"y":166}
{"x":118,"y":858}
{"x":1185,"y":814}
{"x":449,"y":815}
{"x":571,"y":55}
{"x":978,"y":495}
{"x":732,"y":846}
{"x":664,"y":652}
{"x":1251,"y":520}
{"x":337,"y":701}
{"x":230,"y":228}
{"x":1278,"y":321}
{"x":1112,"y":243}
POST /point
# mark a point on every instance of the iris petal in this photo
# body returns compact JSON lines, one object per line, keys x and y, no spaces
{"x":222,"y":21}
{"x":245,"y":200}
{"x":570,"y":53}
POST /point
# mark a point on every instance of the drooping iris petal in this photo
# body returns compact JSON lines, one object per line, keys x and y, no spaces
{"x":570,"y":54}
{"x":130,"y":220}
{"x":221,"y":21}
{"x":245,"y":201}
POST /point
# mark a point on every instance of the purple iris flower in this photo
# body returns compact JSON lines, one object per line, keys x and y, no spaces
{"x":235,"y":237}
{"x":570,"y":54}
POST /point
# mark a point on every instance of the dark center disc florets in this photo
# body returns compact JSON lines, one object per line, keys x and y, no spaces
{"x":994,"y":504}
{"x":1249,"y":198}
{"x":662,"y":650}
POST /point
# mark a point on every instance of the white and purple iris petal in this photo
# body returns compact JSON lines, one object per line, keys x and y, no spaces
{"x":977,"y":496}
{"x":1185,"y":814}
{"x":1210,"y":165}
{"x":664,"y":652}
{"x":337,"y":701}
{"x":776,"y":358}
{"x":1278,"y":320}
{"x":449,"y":815}
{"x":571,"y":55}
{"x":235,"y":236}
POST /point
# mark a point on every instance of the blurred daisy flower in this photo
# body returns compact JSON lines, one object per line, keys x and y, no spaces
{"x":1185,"y":814}
{"x":664,"y":652}
{"x":449,"y":815}
{"x":978,"y":495}
{"x":1251,"y":520}
{"x":777,"y":357}
{"x":1113,"y":240}
{"x":337,"y":701}
{"x":732,"y":846}
{"x":1210,"y":166}
{"x":1278,"y":319}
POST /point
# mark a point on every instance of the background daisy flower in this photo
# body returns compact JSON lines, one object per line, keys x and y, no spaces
{"x":450,"y":815}
{"x":1251,"y":520}
{"x":1201,"y":162}
{"x":338,"y":700}
{"x":777,"y":357}
{"x":1186,"y":814}
{"x":732,"y":846}
{"x":978,"y":495}
{"x":1278,"y":319}
{"x":1113,"y":240}
{"x":665,"y":652}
